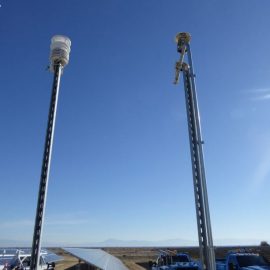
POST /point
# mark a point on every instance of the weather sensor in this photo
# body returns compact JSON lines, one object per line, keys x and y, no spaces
{"x":60,"y":49}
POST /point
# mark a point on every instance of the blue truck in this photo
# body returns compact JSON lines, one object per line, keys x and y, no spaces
{"x":243,"y":261}
{"x":168,"y":260}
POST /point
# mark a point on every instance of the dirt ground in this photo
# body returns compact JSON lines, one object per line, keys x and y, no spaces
{"x":69,"y":262}
{"x":133,"y":258}
{"x":138,"y":258}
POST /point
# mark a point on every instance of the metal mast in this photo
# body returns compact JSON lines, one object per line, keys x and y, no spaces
{"x":60,"y":49}
{"x":196,"y":149}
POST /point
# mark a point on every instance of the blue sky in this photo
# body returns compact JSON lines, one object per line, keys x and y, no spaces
{"x":121,"y":163}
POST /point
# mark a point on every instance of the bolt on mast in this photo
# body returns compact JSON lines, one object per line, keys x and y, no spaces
{"x":60,"y":49}
{"x":207,"y":253}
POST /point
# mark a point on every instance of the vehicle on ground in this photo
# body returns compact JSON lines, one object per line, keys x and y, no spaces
{"x":174,"y":261}
{"x":243,"y":261}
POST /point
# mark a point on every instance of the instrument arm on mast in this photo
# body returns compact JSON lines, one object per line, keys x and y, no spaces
{"x":182,"y":39}
{"x":207,"y":253}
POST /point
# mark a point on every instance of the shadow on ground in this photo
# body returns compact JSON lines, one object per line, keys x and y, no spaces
{"x":145,"y":265}
{"x":82,"y":266}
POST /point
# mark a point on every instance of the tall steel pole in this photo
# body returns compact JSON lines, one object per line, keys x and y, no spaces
{"x":60,"y":49}
{"x":197,"y":159}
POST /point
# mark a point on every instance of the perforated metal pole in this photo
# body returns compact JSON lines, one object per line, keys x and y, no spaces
{"x":43,"y":186}
{"x":58,"y":60}
{"x":195,"y":137}
{"x":209,"y":247}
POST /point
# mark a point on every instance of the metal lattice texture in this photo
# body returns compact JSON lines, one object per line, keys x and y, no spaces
{"x":45,"y":169}
{"x":195,"y":165}
{"x":197,"y":160}
{"x":98,"y":258}
{"x":8,"y":255}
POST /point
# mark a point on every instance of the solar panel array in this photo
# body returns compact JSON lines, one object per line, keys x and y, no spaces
{"x":51,"y":257}
{"x":14,"y":251}
{"x":4,"y":260}
{"x":8,"y":251}
{"x":98,"y":258}
{"x":7,"y":254}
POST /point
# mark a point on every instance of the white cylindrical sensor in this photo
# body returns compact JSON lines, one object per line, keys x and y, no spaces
{"x":60,"y":49}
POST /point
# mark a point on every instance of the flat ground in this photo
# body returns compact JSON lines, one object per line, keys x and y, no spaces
{"x":138,"y":258}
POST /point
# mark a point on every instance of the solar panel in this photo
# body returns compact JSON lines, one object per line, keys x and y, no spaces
{"x":4,"y":260}
{"x":8,"y":253}
{"x":98,"y":258}
{"x":51,"y":257}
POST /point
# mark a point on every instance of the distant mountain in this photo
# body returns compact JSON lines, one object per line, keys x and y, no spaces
{"x":237,"y":242}
{"x":141,"y":243}
{"x":132,"y":243}
{"x":14,"y":243}
{"x":106,"y":243}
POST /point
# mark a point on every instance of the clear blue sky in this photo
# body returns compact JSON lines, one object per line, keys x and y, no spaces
{"x":121,"y":163}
